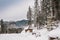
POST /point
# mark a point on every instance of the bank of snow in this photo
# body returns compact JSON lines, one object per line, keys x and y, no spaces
{"x":41,"y":34}
{"x":55,"y":32}
{"x":26,"y":35}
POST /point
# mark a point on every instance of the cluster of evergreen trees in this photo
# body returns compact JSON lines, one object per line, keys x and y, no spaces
{"x":3,"y":27}
{"x":40,"y":16}
{"x":37,"y":17}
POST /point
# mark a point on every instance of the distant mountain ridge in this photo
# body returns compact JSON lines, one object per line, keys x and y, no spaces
{"x":18,"y":23}
{"x":22,"y":22}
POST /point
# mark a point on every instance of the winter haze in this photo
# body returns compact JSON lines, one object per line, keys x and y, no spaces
{"x":13,"y":10}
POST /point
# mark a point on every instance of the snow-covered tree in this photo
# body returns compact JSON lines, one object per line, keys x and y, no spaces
{"x":2,"y":26}
{"x":36,"y":11}
{"x":29,"y":16}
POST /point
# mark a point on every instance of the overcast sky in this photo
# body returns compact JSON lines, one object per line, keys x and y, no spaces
{"x":12,"y":10}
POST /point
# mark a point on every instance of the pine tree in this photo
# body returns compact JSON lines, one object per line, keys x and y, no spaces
{"x":36,"y":12}
{"x":2,"y":26}
{"x":29,"y":17}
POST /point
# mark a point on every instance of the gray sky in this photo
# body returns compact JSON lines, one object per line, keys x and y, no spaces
{"x":12,"y":10}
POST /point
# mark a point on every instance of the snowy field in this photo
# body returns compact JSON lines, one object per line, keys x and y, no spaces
{"x":41,"y":34}
{"x":26,"y":36}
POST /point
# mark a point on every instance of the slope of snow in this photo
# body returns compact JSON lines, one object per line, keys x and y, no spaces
{"x":55,"y":32}
{"x":41,"y":34}
{"x":26,"y":35}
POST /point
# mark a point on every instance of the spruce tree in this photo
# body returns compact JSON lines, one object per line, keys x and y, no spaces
{"x":2,"y":26}
{"x":29,"y":16}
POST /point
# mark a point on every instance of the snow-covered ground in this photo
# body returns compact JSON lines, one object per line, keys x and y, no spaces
{"x":26,"y":35}
{"x":42,"y":34}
